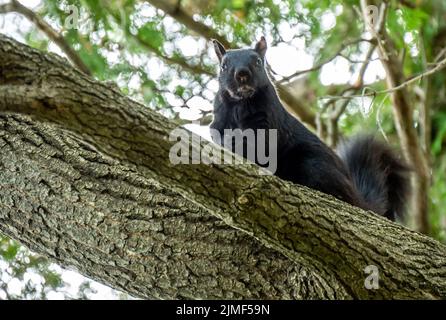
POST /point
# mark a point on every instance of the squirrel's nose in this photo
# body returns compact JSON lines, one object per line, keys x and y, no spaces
{"x":243,"y":75}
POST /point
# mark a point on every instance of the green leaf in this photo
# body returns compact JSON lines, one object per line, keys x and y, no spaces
{"x":11,"y":251}
{"x":150,"y":34}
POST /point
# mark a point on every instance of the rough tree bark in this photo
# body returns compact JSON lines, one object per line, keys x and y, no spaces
{"x":86,"y":180}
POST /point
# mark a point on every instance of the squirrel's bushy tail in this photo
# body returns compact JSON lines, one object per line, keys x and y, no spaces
{"x":380,"y":176}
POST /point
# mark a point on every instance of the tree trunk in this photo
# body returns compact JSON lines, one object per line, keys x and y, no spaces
{"x":86,"y":180}
{"x":403,"y":109}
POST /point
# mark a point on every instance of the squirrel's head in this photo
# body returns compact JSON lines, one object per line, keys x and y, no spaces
{"x":242,"y":71}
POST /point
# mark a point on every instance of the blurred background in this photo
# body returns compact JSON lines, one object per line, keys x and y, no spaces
{"x":322,"y":58}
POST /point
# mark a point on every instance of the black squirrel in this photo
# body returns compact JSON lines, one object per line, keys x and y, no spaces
{"x":366,"y":173}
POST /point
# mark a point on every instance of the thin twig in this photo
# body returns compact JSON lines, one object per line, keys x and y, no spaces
{"x":320,"y":65}
{"x":339,"y":110}
{"x":437,"y":68}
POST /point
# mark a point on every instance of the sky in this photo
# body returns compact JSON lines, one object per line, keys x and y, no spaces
{"x":284,"y":60}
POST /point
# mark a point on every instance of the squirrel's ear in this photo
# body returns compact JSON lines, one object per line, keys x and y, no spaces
{"x":261,"y":47}
{"x":219,"y":49}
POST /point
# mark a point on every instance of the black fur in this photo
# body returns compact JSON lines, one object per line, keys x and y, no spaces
{"x":370,"y":177}
{"x":379,"y":175}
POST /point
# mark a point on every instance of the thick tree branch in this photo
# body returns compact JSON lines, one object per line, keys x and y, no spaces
{"x":97,"y":214}
{"x":313,"y":230}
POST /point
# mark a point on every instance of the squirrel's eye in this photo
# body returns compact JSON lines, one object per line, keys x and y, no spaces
{"x":259,"y":62}
{"x":224,"y":66}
